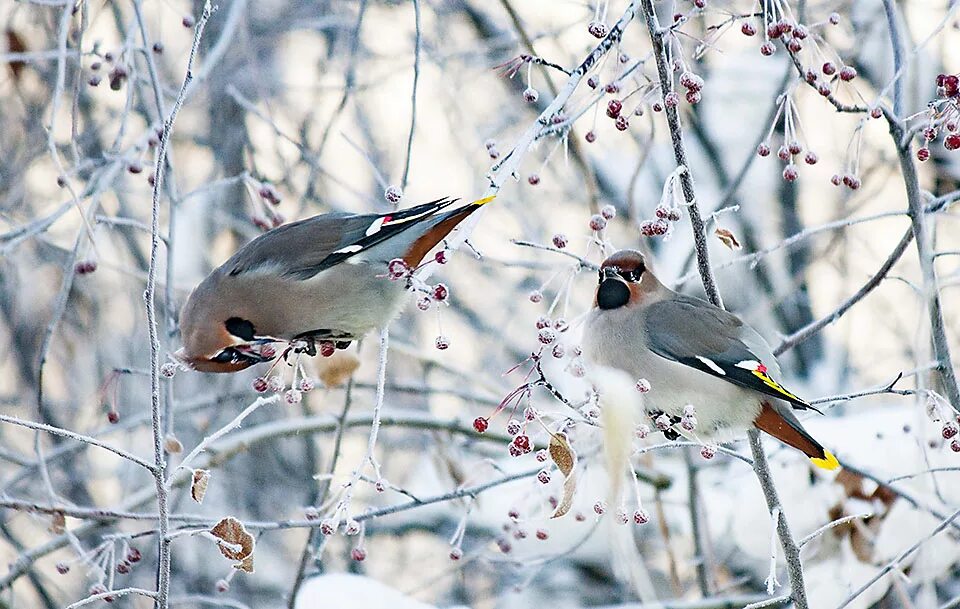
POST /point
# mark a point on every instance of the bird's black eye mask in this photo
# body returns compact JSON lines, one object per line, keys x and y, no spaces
{"x":241,"y":328}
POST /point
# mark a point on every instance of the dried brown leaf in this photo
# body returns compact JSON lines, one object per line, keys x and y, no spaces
{"x":58,"y":523}
{"x":239,"y":543}
{"x":566,"y":459}
{"x":728,"y":238}
{"x":198,"y":488}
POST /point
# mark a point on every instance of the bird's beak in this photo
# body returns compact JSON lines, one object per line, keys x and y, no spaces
{"x":205,"y":364}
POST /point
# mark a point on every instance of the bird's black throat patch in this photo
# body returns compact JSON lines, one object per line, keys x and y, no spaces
{"x":612,"y":294}
{"x":241,"y":328}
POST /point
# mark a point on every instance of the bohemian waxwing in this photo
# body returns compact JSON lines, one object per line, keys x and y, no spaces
{"x":691,"y":352}
{"x":321,"y":279}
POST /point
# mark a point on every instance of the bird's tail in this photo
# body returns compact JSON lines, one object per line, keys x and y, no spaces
{"x":784,"y":426}
{"x":443,"y":224}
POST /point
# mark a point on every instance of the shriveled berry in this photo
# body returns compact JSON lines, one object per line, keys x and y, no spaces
{"x":293,"y":396}
{"x":393,"y":194}
{"x":597,"y":29}
{"x":642,"y":430}
{"x":558,"y":351}
{"x":424,"y":303}
{"x":543,"y":476}
{"x":612,"y":88}
{"x":547,"y":336}
{"x":441,"y":257}
{"x":643,"y":385}
{"x":614,"y":106}
{"x":158,"y":47}
{"x":835,"y":179}
{"x":593,"y":82}
{"x":600,"y":507}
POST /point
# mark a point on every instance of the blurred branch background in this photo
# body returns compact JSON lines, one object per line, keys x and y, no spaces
{"x":299,"y":108}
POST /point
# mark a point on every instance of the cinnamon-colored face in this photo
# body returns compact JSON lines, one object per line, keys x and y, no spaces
{"x":620,"y":277}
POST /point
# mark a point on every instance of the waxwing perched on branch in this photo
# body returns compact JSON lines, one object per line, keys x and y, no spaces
{"x":692,"y":352}
{"x":320,"y":279}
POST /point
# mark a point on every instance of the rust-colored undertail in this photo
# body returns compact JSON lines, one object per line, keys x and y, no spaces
{"x":793,"y":435}
{"x":432,"y":237}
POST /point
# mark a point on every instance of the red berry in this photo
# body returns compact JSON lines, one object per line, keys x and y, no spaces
{"x":835,"y":179}
{"x":560,"y":241}
{"x":597,"y":29}
{"x":533,"y":179}
{"x":876,"y":113}
{"x":783,"y":153}
{"x":795,"y":147}
{"x":113,"y":416}
{"x":440,"y":292}
{"x":952,"y":141}
{"x":522,"y":441}
{"x":543,"y":476}
{"x":641,"y":517}
{"x":622,"y":124}
{"x":828,"y":68}
{"x":123,"y":567}
{"x":593,"y":82}
{"x":848,"y":73}
{"x":327,"y":348}
{"x":590,"y":136}
{"x":535,"y":296}
{"x":612,"y":88}
{"x":456,"y":554}
{"x":63,"y":568}
{"x":672,"y":99}
{"x":763,"y":149}
{"x":609,"y":212}
{"x":773,"y":30}
{"x":694,"y":97}
{"x":530,"y":95}
{"x":133,"y":555}
{"x":442,"y":343}
{"x":794,"y":46}
{"x":748,"y":29}
{"x":188,"y":21}
{"x":597,"y":222}
{"x":222,"y":586}
{"x":441,"y":257}
{"x":393,"y":194}
{"x":823,"y":89}
{"x":811,"y":158}
{"x":542,"y":534}
{"x":613,"y":108}
{"x":923,"y":154}
{"x":358,"y":554}
{"x":260,"y":385}
{"x":950,"y":429}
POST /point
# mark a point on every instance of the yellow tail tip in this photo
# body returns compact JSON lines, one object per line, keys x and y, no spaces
{"x":828,"y":462}
{"x":484,"y":200}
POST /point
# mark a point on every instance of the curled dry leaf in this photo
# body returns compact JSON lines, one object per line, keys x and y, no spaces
{"x":239,"y":543}
{"x":566,"y":460}
{"x":198,"y":488}
{"x":58,"y":523}
{"x":728,"y":238}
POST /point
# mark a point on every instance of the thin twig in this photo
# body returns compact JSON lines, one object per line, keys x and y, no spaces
{"x":413,"y":94}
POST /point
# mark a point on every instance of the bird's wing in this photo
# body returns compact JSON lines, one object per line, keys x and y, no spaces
{"x":695,"y":333}
{"x":300,"y":250}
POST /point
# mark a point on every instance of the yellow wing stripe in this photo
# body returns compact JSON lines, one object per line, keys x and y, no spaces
{"x":769,"y":382}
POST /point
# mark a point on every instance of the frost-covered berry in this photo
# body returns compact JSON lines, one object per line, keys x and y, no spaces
{"x":622,"y":124}
{"x":423,"y":303}
{"x":481,"y":424}
{"x":795,"y":147}
{"x":560,"y":241}
{"x":577,"y":370}
{"x":358,"y":554}
{"x":952,"y":141}
{"x":747,"y":29}
{"x":614,"y":106}
{"x":62,"y":568}
{"x":955,"y":445}
{"x":642,"y":430}
{"x":222,"y":586}
{"x":133,"y":555}
{"x":393,"y":194}
{"x":640,"y":517}
{"x":671,"y":99}
{"x":693,"y":97}
{"x":790,"y":173}
{"x":622,"y":516}
{"x":600,"y":507}
{"x":783,"y":153}
{"x":848,"y":73}
{"x":763,"y":149}
{"x":593,"y":82}
{"x":835,"y":179}
{"x":811,"y":158}
{"x":590,"y":136}
{"x":455,"y":553}
{"x":397,"y":268}
{"x":662,"y":422}
{"x":533,"y":179}
{"x":949,"y":430}
{"x":440,"y":292}
{"x":767,"y":49}
{"x":597,"y":29}
{"x":513,"y":427}
{"x":113,"y":417}
{"x":123,"y":567}
{"x":168,"y":370}
{"x":530,"y":413}
{"x":597,"y":222}
{"x":535,"y":296}
{"x":543,"y":322}
{"x":707,"y":452}
{"x":608,"y":212}
{"x":530,"y":95}
{"x":188,"y":21}
{"x":688,"y":422}
{"x":311,"y":513}
{"x":293,"y":396}
{"x":542,"y":534}
{"x":558,"y":351}
{"x":876,"y":113}
{"x":442,"y":342}
{"x":923,"y":154}
{"x":543,"y":476}
{"x":328,"y":526}
{"x":542,"y":455}
{"x":522,"y":441}
{"x":643,"y":385}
